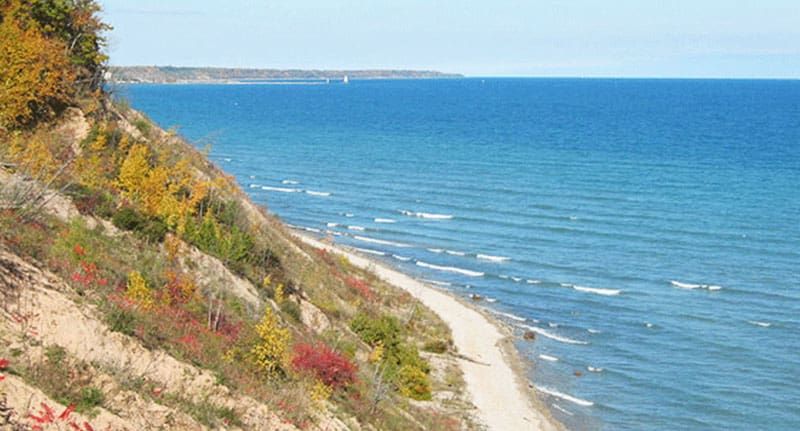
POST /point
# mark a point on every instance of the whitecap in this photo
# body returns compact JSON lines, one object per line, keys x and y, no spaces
{"x":330,"y":224}
{"x":565,"y":284}
{"x":562,"y":410}
{"x":649,"y":325}
{"x":552,"y":336}
{"x":512,"y":316}
{"x":290,"y":182}
{"x":436,"y":250}
{"x":761,"y":324}
{"x":517,"y":279}
{"x":313,"y":193}
{"x":380,"y":241}
{"x":437,"y":282}
{"x":280,"y":189}
{"x":428,"y":216}
{"x":548,"y":358}
{"x":680,"y":285}
{"x":573,"y":218}
{"x":594,"y":369}
{"x":334,"y":233}
{"x":493,"y":258}
{"x":252,"y":177}
{"x":311,"y":229}
{"x":504,"y":277}
{"x":552,"y":325}
{"x":593,"y":331}
{"x":254,"y":186}
{"x":368,"y":251}
{"x":607,"y":292}
{"x":228,"y":159}
{"x":451,"y":269}
{"x":490,"y":299}
{"x":532,"y":281}
{"x":357,"y":228}
{"x":455,"y":253}
{"x":384,"y":220}
{"x":565,"y":397}
{"x":401,"y":258}
{"x":347,"y":214}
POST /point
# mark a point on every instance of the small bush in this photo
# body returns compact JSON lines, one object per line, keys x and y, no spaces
{"x":329,"y":367}
{"x":90,"y":397}
{"x":270,"y":352}
{"x":413,"y":382}
{"x":291,"y":309}
{"x":120,"y":320}
{"x":436,"y":346}
{"x":152,"y":229}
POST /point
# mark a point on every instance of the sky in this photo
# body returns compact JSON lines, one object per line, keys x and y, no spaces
{"x":569,"y":38}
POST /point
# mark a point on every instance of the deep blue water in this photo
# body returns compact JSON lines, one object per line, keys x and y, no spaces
{"x":648,"y":229}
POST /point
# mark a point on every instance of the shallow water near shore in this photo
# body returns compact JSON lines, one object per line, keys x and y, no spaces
{"x":646,"y":230}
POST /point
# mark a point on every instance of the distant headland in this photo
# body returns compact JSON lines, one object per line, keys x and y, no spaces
{"x":175,"y":75}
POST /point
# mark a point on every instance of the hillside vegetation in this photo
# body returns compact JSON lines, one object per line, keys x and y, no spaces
{"x":141,"y":289}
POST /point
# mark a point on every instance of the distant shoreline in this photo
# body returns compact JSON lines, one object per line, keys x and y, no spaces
{"x":218,"y":75}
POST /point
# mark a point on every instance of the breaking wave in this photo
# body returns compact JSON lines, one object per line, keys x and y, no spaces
{"x":466,"y":272}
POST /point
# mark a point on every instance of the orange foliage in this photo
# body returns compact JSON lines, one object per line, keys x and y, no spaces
{"x":35,"y":73}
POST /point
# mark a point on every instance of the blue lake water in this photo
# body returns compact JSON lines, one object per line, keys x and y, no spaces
{"x":647,"y":230}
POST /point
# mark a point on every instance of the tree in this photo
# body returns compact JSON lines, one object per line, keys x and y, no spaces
{"x":35,"y":75}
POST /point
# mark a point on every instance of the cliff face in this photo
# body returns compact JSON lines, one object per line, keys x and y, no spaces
{"x":140,"y":288}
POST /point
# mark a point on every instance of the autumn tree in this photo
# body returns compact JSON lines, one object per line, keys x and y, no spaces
{"x":35,"y":75}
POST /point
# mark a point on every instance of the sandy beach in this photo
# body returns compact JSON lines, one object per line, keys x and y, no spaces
{"x":488,"y":359}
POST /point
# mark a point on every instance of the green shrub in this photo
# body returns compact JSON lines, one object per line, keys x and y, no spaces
{"x":436,"y":346}
{"x":291,"y":309}
{"x":90,"y":397}
{"x":120,"y":320}
{"x":152,"y":229}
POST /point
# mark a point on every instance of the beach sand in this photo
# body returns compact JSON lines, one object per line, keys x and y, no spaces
{"x":492,"y":368}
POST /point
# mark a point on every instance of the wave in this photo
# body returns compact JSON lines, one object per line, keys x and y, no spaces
{"x":491,"y":300}
{"x":517,"y":279}
{"x":681,"y":285}
{"x":548,"y":358}
{"x":290,"y":182}
{"x":380,"y":241}
{"x":607,"y":292}
{"x":455,"y":253}
{"x":451,"y":269}
{"x":401,"y":258}
{"x":254,"y":186}
{"x":436,"y":250}
{"x":593,"y":331}
{"x":512,"y":316}
{"x":550,"y":335}
{"x":761,"y":324}
{"x":348,"y":214}
{"x":563,"y":410}
{"x":384,"y":220}
{"x":530,"y":281}
{"x":280,"y":189}
{"x":313,"y":193}
{"x":594,"y":369}
{"x":565,"y":397}
{"x":552,"y":325}
{"x":437,"y":282}
{"x":493,"y":258}
{"x":428,"y":216}
{"x":357,"y":228}
{"x":334,"y":233}
{"x":331,"y":224}
{"x":368,"y":251}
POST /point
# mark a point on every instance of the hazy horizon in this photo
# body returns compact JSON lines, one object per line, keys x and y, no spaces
{"x":505,"y":38}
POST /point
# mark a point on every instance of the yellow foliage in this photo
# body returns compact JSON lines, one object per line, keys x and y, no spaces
{"x":135,"y":168}
{"x":377,"y":353}
{"x":138,"y":291}
{"x":35,"y":72}
{"x":320,"y":392}
{"x":271,"y":353}
{"x":279,"y":294}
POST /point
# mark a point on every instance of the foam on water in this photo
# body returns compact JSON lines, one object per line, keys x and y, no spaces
{"x":384,"y":220}
{"x":280,"y":189}
{"x":428,"y":216}
{"x":548,"y":358}
{"x":594,"y":369}
{"x":290,"y":182}
{"x":493,"y":258}
{"x":563,"y":410}
{"x":462,"y":271}
{"x":511,"y":316}
{"x":455,"y":253}
{"x":552,"y":336}
{"x":690,"y":286}
{"x":437,"y":282}
{"x":606,"y":292}
{"x":593,"y":331}
{"x":313,"y":193}
{"x":761,"y":324}
{"x":370,"y":251}
{"x":357,"y":228}
{"x":565,"y":397}
{"x":401,"y":258}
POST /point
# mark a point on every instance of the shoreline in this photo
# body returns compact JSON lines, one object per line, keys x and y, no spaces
{"x":492,"y":366}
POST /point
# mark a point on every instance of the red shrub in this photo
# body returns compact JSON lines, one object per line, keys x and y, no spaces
{"x":328,"y":366}
{"x":361,"y":286}
{"x":3,"y":364}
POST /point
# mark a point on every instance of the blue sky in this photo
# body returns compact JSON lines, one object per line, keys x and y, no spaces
{"x":621,"y":38}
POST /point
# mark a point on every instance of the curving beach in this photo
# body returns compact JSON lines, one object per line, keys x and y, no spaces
{"x":487,"y":357}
